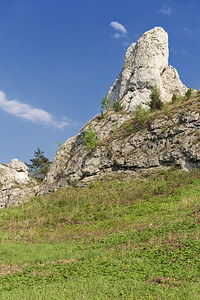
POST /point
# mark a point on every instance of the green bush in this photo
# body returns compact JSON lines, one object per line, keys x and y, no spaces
{"x":142,"y":115}
{"x":106,"y":103}
{"x":117,"y":106}
{"x":174,"y":98}
{"x":156,"y":101}
{"x":188,"y":94}
{"x":91,"y":139}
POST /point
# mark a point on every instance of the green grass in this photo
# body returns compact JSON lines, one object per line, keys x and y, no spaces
{"x":114,"y":239}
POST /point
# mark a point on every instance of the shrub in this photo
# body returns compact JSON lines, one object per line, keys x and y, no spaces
{"x":91,"y":139}
{"x":174,"y":98}
{"x":117,"y":106}
{"x":128,"y":126}
{"x":155,"y":96}
{"x":106,"y":103}
{"x":188,"y":94}
{"x":59,"y":144}
{"x":142,"y":114}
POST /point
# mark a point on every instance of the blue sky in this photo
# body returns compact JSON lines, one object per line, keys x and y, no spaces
{"x":59,"y":58}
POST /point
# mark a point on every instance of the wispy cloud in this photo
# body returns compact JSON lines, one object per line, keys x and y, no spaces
{"x":125,"y":43}
{"x":121,"y":30}
{"x":117,"y":35}
{"x":29,"y":113}
{"x":165,"y":10}
{"x":119,"y":27}
{"x":187,"y":30}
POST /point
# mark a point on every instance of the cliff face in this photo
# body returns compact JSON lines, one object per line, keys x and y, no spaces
{"x":130,"y":147}
{"x":127,"y":144}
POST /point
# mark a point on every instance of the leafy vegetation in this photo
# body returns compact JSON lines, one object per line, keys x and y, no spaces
{"x":174,"y":98}
{"x":188,"y":94}
{"x":156,"y":101}
{"x":91,"y":139}
{"x":114,"y":239}
{"x":142,"y":115}
{"x":59,"y":144}
{"x":106,"y":103}
{"x":117,"y":106}
{"x":39,"y":164}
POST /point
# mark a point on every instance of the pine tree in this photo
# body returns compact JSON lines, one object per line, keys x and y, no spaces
{"x":39,"y":165}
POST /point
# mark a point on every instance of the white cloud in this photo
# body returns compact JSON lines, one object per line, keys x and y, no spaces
{"x":27,"y":112}
{"x":122,"y":32}
{"x":165,"y":10}
{"x":116,"y":35}
{"x":119,"y":27}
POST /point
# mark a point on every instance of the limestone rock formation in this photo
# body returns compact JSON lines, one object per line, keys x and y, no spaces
{"x":124,"y":144}
{"x":15,"y":184}
{"x":16,"y":172}
{"x":129,"y":147}
{"x":146,"y":65}
{"x":70,"y":163}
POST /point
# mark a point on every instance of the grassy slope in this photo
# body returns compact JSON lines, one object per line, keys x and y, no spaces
{"x":136,"y":239}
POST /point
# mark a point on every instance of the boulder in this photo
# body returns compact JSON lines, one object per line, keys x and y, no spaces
{"x":16,"y":186}
{"x":15,"y":172}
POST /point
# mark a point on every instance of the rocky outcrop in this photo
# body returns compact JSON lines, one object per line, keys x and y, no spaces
{"x":16,"y":186}
{"x":146,"y":65}
{"x":125,"y":144}
{"x":130,"y":146}
{"x":72,"y":156}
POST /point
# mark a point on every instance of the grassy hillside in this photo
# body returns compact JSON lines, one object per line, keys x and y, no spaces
{"x":114,"y":239}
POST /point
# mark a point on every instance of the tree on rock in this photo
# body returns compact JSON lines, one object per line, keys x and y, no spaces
{"x":156,"y":101}
{"x":39,"y":164}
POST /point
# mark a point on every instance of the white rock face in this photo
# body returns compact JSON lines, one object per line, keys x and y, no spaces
{"x":146,"y":65}
{"x":15,"y":172}
{"x":13,"y":184}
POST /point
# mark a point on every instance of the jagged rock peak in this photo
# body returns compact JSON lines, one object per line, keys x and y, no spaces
{"x":146,"y":65}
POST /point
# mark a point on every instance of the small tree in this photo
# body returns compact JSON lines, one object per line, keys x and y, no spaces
{"x":106,"y":103}
{"x":155,"y":96}
{"x":39,"y":165}
{"x":142,"y":115}
{"x":188,"y":94}
{"x":91,"y":139}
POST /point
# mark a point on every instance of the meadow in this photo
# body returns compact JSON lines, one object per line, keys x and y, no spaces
{"x":114,"y":239}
